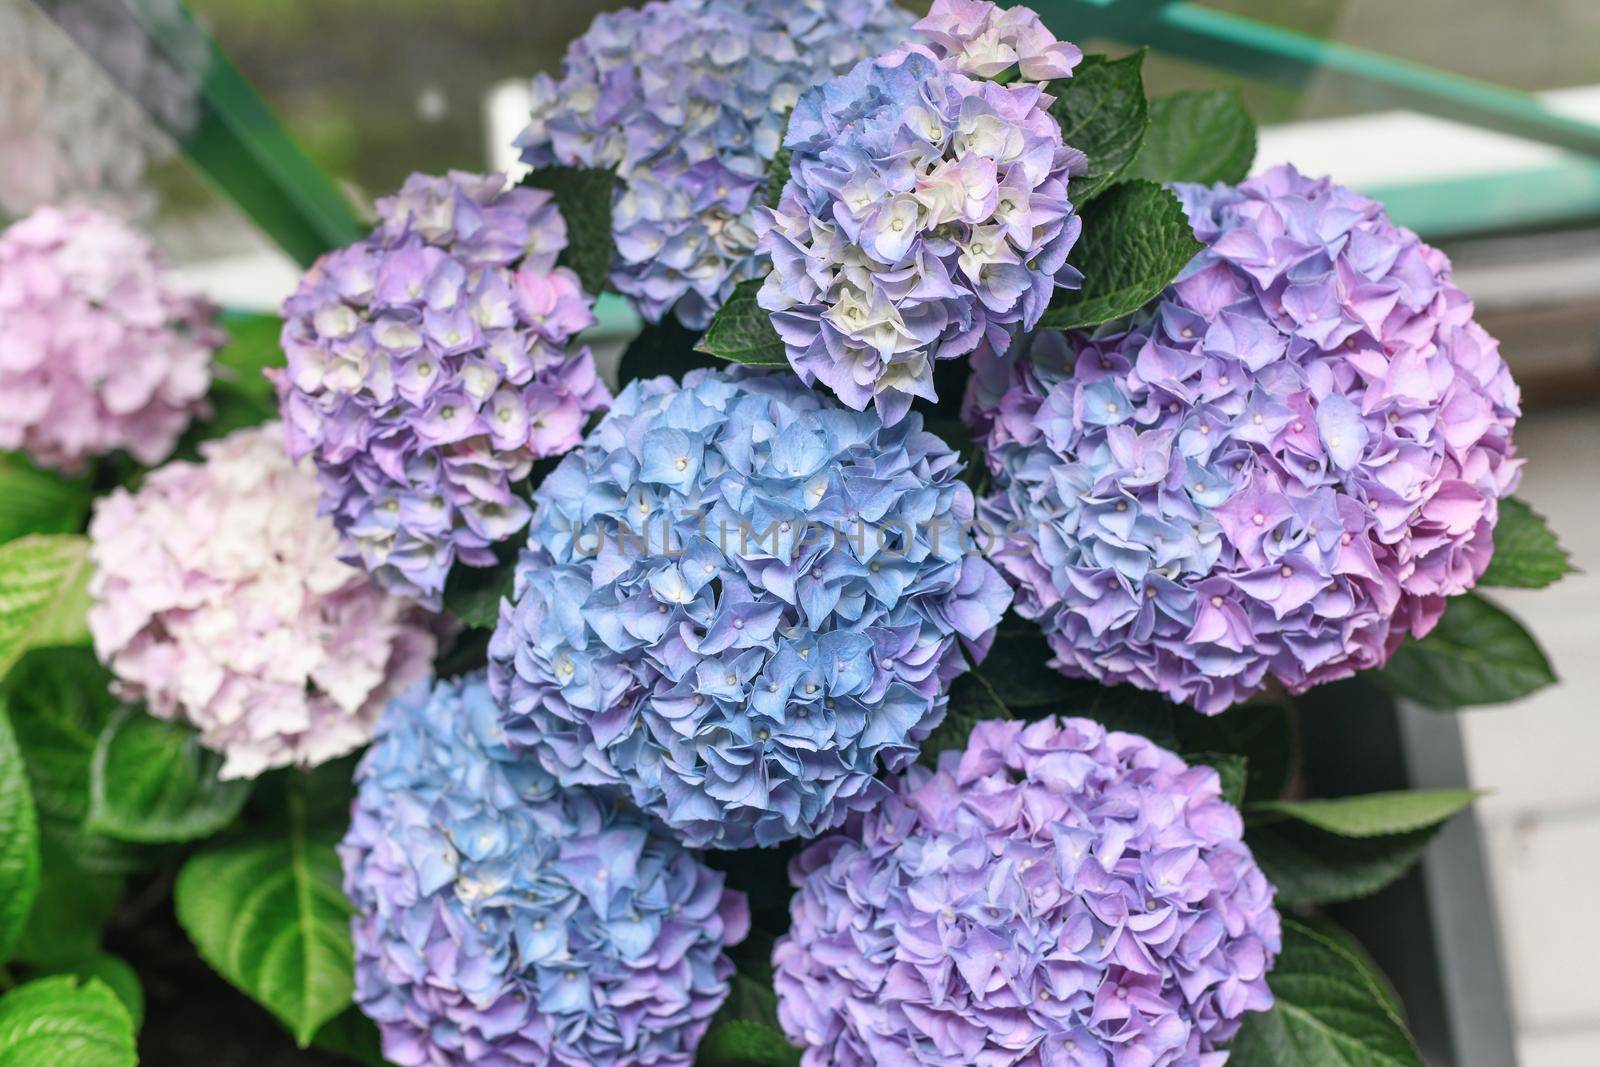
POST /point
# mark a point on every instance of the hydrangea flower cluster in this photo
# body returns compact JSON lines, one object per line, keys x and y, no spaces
{"x":687,"y":100}
{"x":926,"y":217}
{"x":429,"y":366}
{"x":1053,"y":895}
{"x":1277,"y":471}
{"x":738,"y":601}
{"x":99,"y":350}
{"x":985,"y":41}
{"x":219,"y":600}
{"x":500,"y":920}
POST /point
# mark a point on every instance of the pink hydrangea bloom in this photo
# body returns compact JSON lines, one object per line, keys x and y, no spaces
{"x":985,"y":40}
{"x":220,"y":600}
{"x":98,"y":350}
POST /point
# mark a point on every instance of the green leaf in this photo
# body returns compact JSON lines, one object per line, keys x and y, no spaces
{"x":665,"y":347}
{"x":19,"y":840}
{"x":1206,"y":136}
{"x":1375,"y":814}
{"x":39,"y":501}
{"x":1016,"y":681}
{"x":62,"y":1021}
{"x":1017,"y":669}
{"x":240,"y":393}
{"x":1477,"y":654}
{"x":151,"y":782}
{"x":60,"y":702}
{"x":972,"y":700}
{"x":1103,"y":113}
{"x":44,"y":594}
{"x":1357,"y":951}
{"x":1136,"y":238}
{"x":352,"y":1035}
{"x":742,"y":331}
{"x":1263,"y":733}
{"x":473,"y":594}
{"x":115,"y":973}
{"x":1230,"y":768}
{"x":1311,"y":866}
{"x":269,"y":916}
{"x":778,"y":172}
{"x":743,"y":1043}
{"x":584,"y":197}
{"x":73,"y":904}
{"x":745,"y":1031}
{"x":1328,"y":1012}
{"x":1526,"y":552}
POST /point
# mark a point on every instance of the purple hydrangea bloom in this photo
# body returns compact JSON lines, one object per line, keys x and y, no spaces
{"x":429,"y":366}
{"x":1277,"y":471}
{"x":738,"y":601}
{"x":500,"y":920}
{"x":926,"y":216}
{"x":687,"y":100}
{"x":1053,"y":895}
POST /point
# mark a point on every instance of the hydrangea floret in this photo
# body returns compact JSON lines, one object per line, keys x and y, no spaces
{"x":429,"y":366}
{"x":739,"y":602}
{"x":1054,"y":894}
{"x":99,"y":349}
{"x":219,"y":601}
{"x":502,"y":920}
{"x":687,"y":101}
{"x":1274,"y":473}
{"x":986,"y":41}
{"x":926,"y":217}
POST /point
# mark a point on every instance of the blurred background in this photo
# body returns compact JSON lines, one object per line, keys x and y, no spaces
{"x":372,"y":92}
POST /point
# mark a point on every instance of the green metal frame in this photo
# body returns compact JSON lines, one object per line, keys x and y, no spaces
{"x":236,"y":141}
{"x":1263,"y":52}
{"x":242,"y":148}
{"x":1547,"y":196}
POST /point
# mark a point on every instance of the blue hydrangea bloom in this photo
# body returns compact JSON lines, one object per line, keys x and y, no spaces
{"x":500,"y":920}
{"x":926,"y":217}
{"x":687,"y":100}
{"x":1275,"y":472}
{"x":739,"y":602}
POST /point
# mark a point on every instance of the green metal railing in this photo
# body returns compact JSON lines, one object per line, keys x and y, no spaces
{"x":231,"y":136}
{"x":236,"y":141}
{"x":1264,"y":52}
{"x":1248,"y":48}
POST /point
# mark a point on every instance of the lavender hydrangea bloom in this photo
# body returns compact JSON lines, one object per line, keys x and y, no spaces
{"x":1053,"y":895}
{"x":429,"y":366}
{"x":500,"y":920}
{"x":687,"y":100}
{"x":1277,"y":471}
{"x":926,"y":216}
{"x":99,"y":349}
{"x":738,"y":601}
